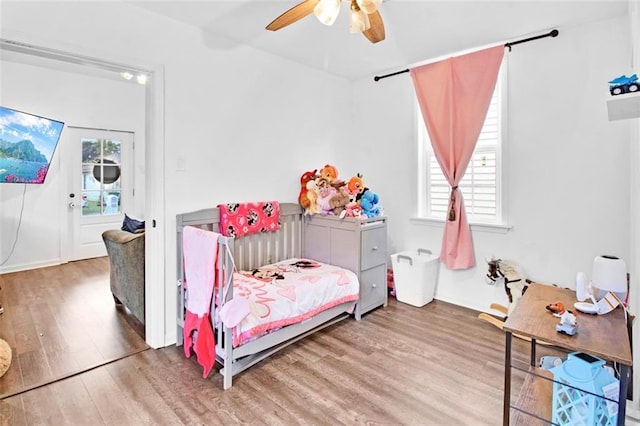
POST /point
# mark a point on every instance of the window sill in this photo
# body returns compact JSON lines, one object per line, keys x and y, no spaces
{"x":481,"y":227}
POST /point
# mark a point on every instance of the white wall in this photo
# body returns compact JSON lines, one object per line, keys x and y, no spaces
{"x":244,"y":123}
{"x":567,"y":167}
{"x":77,"y":100}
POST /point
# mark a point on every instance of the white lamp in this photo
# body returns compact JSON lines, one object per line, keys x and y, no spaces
{"x":358,"y":20}
{"x":609,"y":274}
{"x":369,"y":6}
{"x":327,"y":11}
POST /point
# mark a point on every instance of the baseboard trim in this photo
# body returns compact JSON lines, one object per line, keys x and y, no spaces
{"x":28,"y":266}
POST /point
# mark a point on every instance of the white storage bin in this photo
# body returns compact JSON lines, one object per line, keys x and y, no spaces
{"x":415,"y":274}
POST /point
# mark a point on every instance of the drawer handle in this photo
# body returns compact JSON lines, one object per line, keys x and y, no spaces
{"x":374,"y":285}
{"x":374,"y":248}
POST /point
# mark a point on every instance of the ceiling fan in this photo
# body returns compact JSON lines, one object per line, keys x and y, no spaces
{"x":364,"y":16}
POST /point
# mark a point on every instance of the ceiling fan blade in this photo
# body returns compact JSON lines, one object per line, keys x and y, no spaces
{"x":292,"y":15}
{"x":375,"y":33}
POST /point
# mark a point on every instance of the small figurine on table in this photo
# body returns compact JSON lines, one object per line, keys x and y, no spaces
{"x":568,"y":321}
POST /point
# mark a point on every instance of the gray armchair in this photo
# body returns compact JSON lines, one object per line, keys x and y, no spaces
{"x":126,"y":259}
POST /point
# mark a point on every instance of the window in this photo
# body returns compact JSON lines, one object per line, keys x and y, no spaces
{"x":481,"y":184}
{"x":101,"y":190}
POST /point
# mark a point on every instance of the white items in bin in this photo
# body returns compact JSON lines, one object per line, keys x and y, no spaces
{"x":415,"y":274}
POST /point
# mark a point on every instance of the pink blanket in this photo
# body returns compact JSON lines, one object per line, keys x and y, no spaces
{"x":289,"y":292}
{"x":200,"y":254}
{"x":238,"y":219}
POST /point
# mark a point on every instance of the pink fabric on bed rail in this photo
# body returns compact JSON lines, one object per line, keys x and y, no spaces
{"x":200,"y":250}
{"x":238,"y":219}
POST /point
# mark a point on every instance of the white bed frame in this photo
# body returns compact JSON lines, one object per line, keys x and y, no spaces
{"x":250,"y":252}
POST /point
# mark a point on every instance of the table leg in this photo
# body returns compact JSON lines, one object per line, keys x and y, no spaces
{"x":533,"y":352}
{"x":507,"y":380}
{"x":622,"y":396}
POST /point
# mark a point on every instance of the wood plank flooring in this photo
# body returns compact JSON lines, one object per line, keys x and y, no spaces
{"x":61,"y":320}
{"x":400,"y":365}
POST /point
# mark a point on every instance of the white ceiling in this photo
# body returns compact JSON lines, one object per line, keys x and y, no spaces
{"x":416,"y":31}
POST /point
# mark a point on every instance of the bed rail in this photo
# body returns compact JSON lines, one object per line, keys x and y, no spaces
{"x":250,"y":252}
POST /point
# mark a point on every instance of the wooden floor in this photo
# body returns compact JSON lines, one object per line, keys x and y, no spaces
{"x":61,"y":320}
{"x":400,"y":365}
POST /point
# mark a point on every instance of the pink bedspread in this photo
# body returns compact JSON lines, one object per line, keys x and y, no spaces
{"x":288,"y":292}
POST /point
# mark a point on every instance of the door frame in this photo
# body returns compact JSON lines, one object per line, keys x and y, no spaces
{"x":156,"y":287}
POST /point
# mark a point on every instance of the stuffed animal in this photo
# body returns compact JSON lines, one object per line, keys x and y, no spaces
{"x":312,"y":196}
{"x":352,"y":209}
{"x":306,"y":177}
{"x":369,"y":203}
{"x":339,"y":201}
{"x":325,"y":192}
{"x":329,"y":172}
{"x":356,"y":186}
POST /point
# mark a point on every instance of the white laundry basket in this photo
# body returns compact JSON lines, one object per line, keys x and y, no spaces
{"x":415,"y":274}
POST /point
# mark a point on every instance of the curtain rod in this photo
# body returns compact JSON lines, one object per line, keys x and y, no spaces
{"x":552,"y":33}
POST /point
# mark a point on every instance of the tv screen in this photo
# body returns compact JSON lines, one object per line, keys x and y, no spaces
{"x":27,"y":144}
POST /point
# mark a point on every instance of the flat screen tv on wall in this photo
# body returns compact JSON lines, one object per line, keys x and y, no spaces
{"x":27,"y":144}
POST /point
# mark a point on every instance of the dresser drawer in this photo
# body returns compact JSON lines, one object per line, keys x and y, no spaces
{"x":374,"y":247}
{"x":373,"y":288}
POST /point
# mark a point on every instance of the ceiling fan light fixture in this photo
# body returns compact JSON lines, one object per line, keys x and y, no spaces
{"x":358,"y":20}
{"x":327,"y":11}
{"x":369,"y":6}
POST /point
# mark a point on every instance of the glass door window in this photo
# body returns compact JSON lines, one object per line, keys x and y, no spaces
{"x":101,"y":177}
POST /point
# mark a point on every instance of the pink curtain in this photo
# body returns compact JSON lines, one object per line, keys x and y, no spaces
{"x":454,"y":96}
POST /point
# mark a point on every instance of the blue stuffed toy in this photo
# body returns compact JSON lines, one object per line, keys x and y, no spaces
{"x":369,"y":203}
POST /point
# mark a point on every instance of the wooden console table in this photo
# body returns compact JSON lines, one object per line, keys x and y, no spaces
{"x":603,"y":336}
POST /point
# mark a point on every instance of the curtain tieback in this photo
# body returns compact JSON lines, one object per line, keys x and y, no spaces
{"x":452,"y":210}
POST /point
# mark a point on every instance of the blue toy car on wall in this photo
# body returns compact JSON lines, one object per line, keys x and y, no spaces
{"x":624,"y":84}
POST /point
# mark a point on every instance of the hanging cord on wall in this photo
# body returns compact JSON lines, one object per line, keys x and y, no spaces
{"x":15,"y":240}
{"x":552,"y":33}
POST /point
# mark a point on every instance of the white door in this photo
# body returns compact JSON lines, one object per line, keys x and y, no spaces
{"x":99,"y":187}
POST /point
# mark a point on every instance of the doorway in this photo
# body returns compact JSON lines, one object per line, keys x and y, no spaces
{"x":152,"y":171}
{"x":100,"y":187}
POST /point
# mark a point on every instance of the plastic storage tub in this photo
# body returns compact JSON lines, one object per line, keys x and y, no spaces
{"x":415,"y":274}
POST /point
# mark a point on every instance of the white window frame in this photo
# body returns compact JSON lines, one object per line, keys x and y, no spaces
{"x":501,"y":222}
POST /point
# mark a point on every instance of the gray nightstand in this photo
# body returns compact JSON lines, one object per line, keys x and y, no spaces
{"x":359,"y":245}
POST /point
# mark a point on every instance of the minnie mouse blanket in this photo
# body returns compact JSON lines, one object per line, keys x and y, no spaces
{"x":238,"y":219}
{"x":289,"y":292}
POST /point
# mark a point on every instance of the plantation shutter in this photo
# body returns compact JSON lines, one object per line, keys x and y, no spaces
{"x":479,"y":184}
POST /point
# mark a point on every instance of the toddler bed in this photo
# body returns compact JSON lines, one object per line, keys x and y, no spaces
{"x":268,"y":293}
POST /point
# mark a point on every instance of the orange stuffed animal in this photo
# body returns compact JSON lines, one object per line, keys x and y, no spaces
{"x":306,"y":177}
{"x":330,"y":173}
{"x":356,"y":186}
